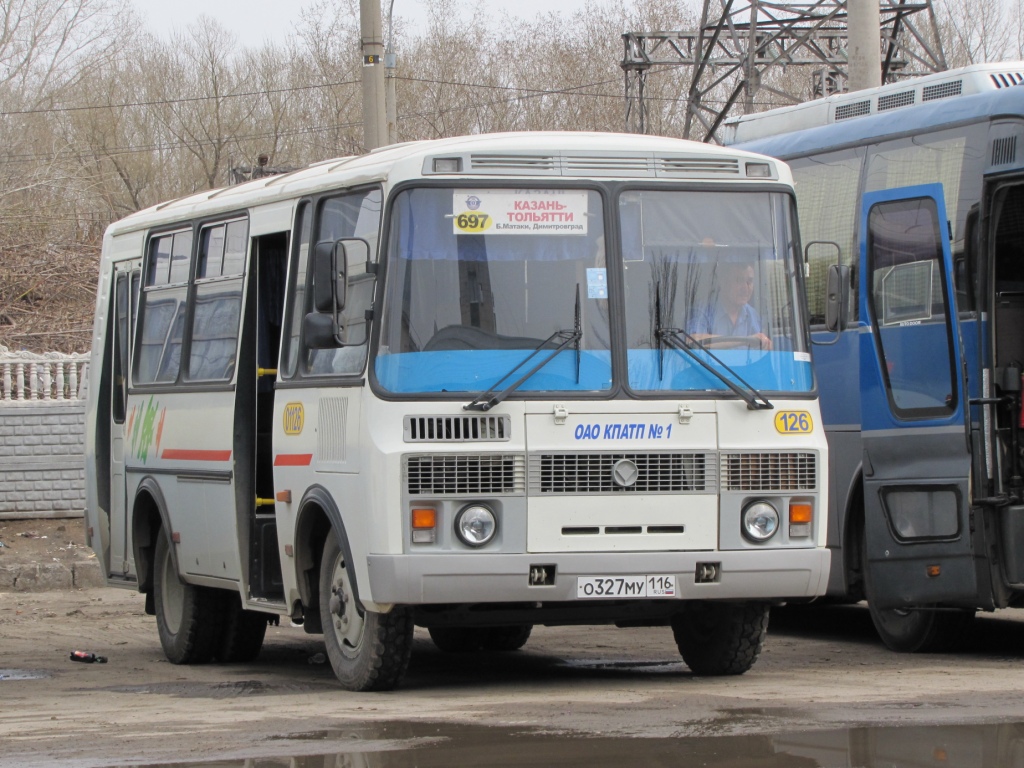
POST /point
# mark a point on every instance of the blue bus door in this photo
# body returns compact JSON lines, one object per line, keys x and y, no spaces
{"x":916,"y":458}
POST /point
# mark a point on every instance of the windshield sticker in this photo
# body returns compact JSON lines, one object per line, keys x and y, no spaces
{"x":519,"y":212}
{"x":597,"y":283}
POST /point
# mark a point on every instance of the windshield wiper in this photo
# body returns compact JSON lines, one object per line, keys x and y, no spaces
{"x":680,"y":340}
{"x":487,"y":400}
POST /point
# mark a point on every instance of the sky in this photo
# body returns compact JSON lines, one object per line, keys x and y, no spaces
{"x":258,"y":20}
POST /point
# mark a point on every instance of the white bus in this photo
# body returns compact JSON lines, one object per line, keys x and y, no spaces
{"x":472,"y":385}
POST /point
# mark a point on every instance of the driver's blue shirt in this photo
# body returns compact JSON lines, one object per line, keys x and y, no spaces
{"x":714,"y":320}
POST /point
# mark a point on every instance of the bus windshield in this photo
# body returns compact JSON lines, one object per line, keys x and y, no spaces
{"x":481,"y":279}
{"x":714,"y":272}
{"x":485,"y":283}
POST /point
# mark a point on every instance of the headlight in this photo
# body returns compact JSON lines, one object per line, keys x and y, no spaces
{"x":760,"y":521}
{"x":475,"y":525}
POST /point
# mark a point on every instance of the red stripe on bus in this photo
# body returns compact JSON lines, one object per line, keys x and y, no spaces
{"x":187,"y":454}
{"x":293,"y":459}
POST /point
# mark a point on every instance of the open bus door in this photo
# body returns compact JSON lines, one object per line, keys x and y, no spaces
{"x":125,"y":305}
{"x":917,"y":526}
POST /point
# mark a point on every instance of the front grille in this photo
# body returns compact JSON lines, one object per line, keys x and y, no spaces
{"x":769,"y":471}
{"x":462,"y":474}
{"x":457,"y":429}
{"x":588,"y":473}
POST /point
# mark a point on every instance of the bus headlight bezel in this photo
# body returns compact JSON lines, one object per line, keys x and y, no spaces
{"x":476,"y":525}
{"x":757,"y":518}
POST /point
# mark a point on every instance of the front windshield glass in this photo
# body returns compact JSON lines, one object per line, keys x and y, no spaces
{"x":478,"y":279}
{"x":714,"y":271}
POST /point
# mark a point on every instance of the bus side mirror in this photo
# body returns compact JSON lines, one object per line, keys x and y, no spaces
{"x":837,"y":296}
{"x":329,"y":285}
{"x":318,"y":331}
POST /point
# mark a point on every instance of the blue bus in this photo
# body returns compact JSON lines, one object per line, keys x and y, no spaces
{"x":911,"y":203}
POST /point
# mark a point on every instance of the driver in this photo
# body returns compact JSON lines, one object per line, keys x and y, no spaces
{"x":731,"y":315}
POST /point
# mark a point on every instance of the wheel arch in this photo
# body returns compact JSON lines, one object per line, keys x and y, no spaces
{"x":149,"y":516}
{"x":852,"y":541}
{"x":318,"y":515}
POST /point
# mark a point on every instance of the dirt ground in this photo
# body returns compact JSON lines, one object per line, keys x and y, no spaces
{"x":42,"y":541}
{"x":821,"y":668}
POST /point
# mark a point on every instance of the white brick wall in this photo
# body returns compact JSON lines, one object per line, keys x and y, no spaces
{"x":42,"y":459}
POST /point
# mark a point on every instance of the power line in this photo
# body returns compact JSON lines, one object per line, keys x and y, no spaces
{"x":529,"y":93}
{"x":165,"y":102}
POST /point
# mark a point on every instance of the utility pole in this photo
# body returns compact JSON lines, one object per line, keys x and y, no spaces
{"x":371,"y":36}
{"x":390,"y":61}
{"x":863,"y":20}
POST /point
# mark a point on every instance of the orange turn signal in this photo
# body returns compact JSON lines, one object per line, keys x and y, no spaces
{"x":800,"y":512}
{"x":424,"y":518}
{"x":934,"y":570}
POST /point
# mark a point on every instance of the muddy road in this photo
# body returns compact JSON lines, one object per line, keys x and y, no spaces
{"x":821,"y":670}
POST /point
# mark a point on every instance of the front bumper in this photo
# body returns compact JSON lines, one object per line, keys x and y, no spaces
{"x":412,"y":579}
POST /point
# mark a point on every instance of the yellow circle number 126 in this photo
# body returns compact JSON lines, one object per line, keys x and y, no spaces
{"x":793,"y":422}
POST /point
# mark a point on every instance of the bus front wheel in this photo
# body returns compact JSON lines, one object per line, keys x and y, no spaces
{"x":188,"y":618}
{"x":368,"y":651}
{"x":718,"y":639}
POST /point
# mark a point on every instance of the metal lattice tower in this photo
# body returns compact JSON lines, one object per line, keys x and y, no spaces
{"x":756,"y":46}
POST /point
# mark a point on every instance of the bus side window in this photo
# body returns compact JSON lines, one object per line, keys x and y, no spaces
{"x":162,"y":314}
{"x":218,"y":301}
{"x":295,"y":306}
{"x":355,"y":215}
{"x":119,"y":389}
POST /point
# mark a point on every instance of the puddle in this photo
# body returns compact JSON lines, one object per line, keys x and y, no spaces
{"x":426,"y":745}
{"x":22,"y":674}
{"x":628,"y":666}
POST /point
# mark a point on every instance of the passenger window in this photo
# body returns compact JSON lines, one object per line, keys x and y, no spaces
{"x":162,"y":314}
{"x":217,"y":301}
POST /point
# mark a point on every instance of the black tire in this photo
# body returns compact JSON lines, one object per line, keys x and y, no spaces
{"x":916,"y":631}
{"x":188,"y":618}
{"x":368,"y":651}
{"x":510,"y":638}
{"x":718,"y":639}
{"x":242,"y":633}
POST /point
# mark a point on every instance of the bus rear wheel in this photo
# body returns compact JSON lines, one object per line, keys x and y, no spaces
{"x":188,"y":618}
{"x":718,"y":639}
{"x":243,"y":632}
{"x":368,"y":651}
